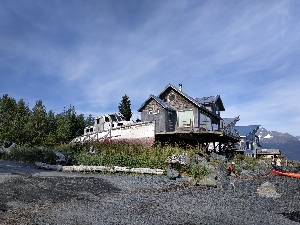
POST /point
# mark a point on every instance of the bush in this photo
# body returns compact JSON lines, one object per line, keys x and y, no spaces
{"x":30,"y":155}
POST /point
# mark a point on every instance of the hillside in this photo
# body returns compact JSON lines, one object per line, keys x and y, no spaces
{"x":288,"y":144}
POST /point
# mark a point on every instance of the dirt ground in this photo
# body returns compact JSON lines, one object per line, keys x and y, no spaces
{"x":24,"y":188}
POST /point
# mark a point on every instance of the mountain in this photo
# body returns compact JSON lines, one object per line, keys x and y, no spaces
{"x":288,"y":144}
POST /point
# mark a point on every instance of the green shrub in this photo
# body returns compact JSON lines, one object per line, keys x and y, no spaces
{"x":30,"y":155}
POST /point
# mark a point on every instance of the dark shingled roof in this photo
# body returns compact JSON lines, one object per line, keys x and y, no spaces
{"x":245,"y":130}
{"x":212,"y":99}
{"x":159,"y":101}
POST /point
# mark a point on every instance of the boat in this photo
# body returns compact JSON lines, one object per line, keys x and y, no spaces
{"x":289,"y":174}
{"x":115,"y":127}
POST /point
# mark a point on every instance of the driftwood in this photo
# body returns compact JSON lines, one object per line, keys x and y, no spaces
{"x":7,"y":150}
{"x":82,"y":168}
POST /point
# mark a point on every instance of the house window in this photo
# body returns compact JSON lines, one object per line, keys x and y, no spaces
{"x":171,"y":97}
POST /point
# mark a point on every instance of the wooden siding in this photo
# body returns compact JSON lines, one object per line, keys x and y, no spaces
{"x":152,"y":106}
{"x":179,"y":102}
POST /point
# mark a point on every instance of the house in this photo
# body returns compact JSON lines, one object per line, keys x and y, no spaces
{"x":268,"y":153}
{"x":179,"y":116}
{"x":249,"y":142}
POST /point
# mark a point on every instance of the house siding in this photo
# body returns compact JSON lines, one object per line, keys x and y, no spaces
{"x":153,"y":111}
{"x":179,"y":102}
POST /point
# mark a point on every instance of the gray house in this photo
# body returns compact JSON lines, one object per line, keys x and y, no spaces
{"x":174,"y":110}
{"x":249,"y":142}
{"x":191,"y":121}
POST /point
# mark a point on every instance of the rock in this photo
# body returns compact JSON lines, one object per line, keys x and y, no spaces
{"x":172,"y":173}
{"x":184,"y":178}
{"x":210,"y":180}
{"x":268,"y":190}
{"x":7,"y":150}
{"x":60,"y":157}
{"x":222,"y":180}
{"x":218,"y":157}
{"x":182,"y":159}
{"x":247,"y":173}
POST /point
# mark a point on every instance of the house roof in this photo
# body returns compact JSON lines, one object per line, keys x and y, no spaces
{"x":245,"y":130}
{"x":211,"y":99}
{"x":159,"y":101}
{"x":228,"y":121}
{"x":190,"y":99}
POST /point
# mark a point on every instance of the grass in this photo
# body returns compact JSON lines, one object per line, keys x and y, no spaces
{"x":124,"y":154}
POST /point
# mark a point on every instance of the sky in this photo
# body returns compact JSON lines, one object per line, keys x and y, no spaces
{"x":89,"y":54}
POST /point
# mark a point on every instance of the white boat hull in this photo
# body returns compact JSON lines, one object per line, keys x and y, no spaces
{"x":134,"y":131}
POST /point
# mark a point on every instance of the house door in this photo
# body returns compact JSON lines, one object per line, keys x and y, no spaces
{"x":185,"y":118}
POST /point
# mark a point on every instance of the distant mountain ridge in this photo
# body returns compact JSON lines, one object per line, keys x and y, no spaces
{"x":288,"y":144}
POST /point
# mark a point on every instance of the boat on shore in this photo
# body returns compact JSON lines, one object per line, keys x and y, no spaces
{"x":289,"y":174}
{"x":115,"y":127}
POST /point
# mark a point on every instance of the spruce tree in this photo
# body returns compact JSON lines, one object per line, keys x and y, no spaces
{"x":124,"y":108}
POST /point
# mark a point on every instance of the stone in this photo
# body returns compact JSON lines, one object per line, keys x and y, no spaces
{"x":268,"y":190}
{"x":218,"y":157}
{"x":7,"y":150}
{"x":184,"y":178}
{"x":172,"y":173}
{"x":182,"y":159}
{"x":210,"y":180}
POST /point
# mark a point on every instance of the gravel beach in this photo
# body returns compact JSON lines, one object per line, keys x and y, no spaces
{"x":33,"y":196}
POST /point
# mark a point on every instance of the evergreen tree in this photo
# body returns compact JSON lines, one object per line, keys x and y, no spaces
{"x":62,"y":128}
{"x":20,"y":123}
{"x":38,"y":124}
{"x":80,"y":122}
{"x":124,"y":108}
{"x":90,"y":120}
{"x":8,"y":107}
{"x":51,"y":129}
{"x":69,"y":125}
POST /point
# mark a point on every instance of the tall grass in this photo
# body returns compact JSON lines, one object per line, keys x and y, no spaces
{"x":124,"y":154}
{"x":109,"y":154}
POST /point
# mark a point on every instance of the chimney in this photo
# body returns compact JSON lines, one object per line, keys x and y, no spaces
{"x":180,"y":87}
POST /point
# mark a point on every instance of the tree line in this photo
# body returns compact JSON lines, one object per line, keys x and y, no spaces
{"x":36,"y":127}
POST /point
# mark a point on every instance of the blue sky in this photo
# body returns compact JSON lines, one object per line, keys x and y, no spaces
{"x":88,"y":54}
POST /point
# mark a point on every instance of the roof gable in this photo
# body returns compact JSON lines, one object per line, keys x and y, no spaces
{"x":245,"y":130}
{"x":159,"y":101}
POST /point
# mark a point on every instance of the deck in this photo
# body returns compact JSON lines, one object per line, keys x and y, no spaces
{"x":196,"y":136}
